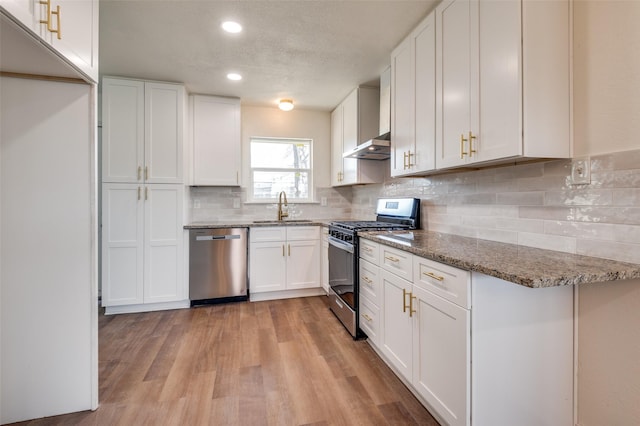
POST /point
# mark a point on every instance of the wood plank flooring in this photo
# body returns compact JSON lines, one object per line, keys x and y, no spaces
{"x":284,"y":362}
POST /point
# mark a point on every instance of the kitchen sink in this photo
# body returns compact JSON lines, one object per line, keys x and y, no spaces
{"x":284,"y":221}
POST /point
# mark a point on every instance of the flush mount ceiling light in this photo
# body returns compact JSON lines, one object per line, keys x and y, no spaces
{"x":234,"y":76}
{"x":285,"y":104}
{"x":231,"y":27}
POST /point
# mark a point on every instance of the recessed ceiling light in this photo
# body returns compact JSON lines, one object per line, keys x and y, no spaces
{"x":234,"y":76}
{"x":231,"y":27}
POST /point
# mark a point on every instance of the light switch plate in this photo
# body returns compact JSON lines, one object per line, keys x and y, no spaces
{"x":236,"y":203}
{"x":581,"y":171}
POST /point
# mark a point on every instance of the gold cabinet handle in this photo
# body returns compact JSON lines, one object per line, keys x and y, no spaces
{"x":404,"y":162}
{"x":367,"y":249}
{"x":409,"y":155}
{"x":58,"y":31}
{"x":367,"y":280}
{"x":146,"y":172}
{"x":411,"y":310}
{"x":367,"y":317}
{"x":434,"y":276}
{"x":289,"y":249}
{"x":146,"y":193}
{"x":283,"y":250}
{"x":471,"y":150}
{"x":139,"y":172}
{"x":48,"y":13}
{"x":139,"y":193}
{"x":392,"y":259}
{"x":462,"y":151}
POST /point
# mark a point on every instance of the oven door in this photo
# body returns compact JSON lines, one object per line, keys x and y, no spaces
{"x":342,"y":283}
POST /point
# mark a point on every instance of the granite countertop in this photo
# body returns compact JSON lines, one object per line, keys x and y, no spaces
{"x":256,"y":224}
{"x":527,"y":266}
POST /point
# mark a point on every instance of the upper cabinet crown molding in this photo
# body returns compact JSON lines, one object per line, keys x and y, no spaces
{"x":503,"y":81}
{"x":142,"y":131}
{"x":69,"y":30}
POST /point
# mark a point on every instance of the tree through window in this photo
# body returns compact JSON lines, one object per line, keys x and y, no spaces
{"x":281,"y":165}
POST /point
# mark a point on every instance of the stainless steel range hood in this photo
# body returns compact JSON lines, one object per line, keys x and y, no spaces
{"x":373,"y":149}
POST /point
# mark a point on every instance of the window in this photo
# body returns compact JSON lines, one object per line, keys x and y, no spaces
{"x":281,"y":165}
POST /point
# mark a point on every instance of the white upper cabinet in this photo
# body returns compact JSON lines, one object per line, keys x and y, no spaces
{"x":413,"y":102}
{"x":75,"y":33}
{"x":215,"y":136}
{"x":353,"y":122}
{"x":503,"y":81}
{"x":70,"y":27}
{"x":142,"y":131}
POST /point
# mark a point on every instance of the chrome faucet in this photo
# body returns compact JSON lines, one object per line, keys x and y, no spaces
{"x":282,"y":214}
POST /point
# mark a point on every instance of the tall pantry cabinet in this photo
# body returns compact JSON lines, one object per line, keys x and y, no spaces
{"x":143,"y":195}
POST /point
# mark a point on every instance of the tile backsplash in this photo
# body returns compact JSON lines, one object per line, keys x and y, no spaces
{"x":210,"y":204}
{"x":531,"y":204}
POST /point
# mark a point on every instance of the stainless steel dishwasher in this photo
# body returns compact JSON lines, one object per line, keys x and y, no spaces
{"x":217,"y":265}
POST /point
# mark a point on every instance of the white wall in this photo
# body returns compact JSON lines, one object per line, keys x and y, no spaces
{"x":48,"y":249}
{"x":607,"y":107}
{"x":606,"y":76}
{"x":258,"y":121}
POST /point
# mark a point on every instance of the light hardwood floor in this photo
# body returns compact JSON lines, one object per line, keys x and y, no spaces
{"x":285,"y":362}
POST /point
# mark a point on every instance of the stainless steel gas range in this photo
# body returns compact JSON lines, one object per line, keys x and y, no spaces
{"x":391,"y":214}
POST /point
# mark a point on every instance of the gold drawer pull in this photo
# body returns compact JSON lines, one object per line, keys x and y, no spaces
{"x":367,"y":317}
{"x":404,"y":300}
{"x":411,"y":310}
{"x":434,"y":276}
{"x":392,"y":259}
{"x":367,"y":249}
{"x":462,"y":151}
{"x":367,"y":280}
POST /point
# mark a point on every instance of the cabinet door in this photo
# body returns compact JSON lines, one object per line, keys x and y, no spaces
{"x":425,"y":96}
{"x":25,"y":11}
{"x":303,"y":264}
{"x":336,"y":146}
{"x":163,"y":137}
{"x":122,"y":130}
{"x":402,"y":106}
{"x":454,"y":81}
{"x":268,"y":271}
{"x":441,"y":357}
{"x":397,"y":326}
{"x":163,"y":277}
{"x":78,"y":26}
{"x":500,"y":81}
{"x":216,"y":141}
{"x":350,"y":137}
{"x":122,"y":244}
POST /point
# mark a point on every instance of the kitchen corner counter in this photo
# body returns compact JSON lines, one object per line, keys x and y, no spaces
{"x":527,"y":266}
{"x":256,"y":224}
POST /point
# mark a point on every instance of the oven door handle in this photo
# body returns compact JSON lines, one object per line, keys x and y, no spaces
{"x":341,"y":244}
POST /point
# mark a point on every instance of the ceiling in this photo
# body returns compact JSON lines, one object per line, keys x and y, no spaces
{"x":313,"y":51}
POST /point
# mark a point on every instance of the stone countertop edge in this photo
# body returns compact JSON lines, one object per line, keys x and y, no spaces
{"x":239,"y":224}
{"x":527,"y":266}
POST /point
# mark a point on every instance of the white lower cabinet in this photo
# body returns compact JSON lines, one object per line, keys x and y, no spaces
{"x":142,"y":245}
{"x":473,"y":348}
{"x":284,"y":258}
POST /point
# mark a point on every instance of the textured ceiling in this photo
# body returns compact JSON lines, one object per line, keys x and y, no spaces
{"x":314,"y":52}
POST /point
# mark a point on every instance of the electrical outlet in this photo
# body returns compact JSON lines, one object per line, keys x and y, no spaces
{"x":323,"y":201}
{"x":236,"y":203}
{"x":581,"y":171}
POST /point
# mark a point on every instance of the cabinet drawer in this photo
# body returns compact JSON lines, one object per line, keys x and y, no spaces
{"x":369,"y":250}
{"x":397,"y":261}
{"x":275,"y":233}
{"x":370,"y":320}
{"x":301,"y":233}
{"x":450,"y":283}
{"x":369,"y":279}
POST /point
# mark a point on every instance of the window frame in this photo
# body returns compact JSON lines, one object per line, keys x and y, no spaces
{"x":252,"y":170}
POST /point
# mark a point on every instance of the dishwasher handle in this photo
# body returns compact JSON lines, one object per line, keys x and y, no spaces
{"x":217,"y":237}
